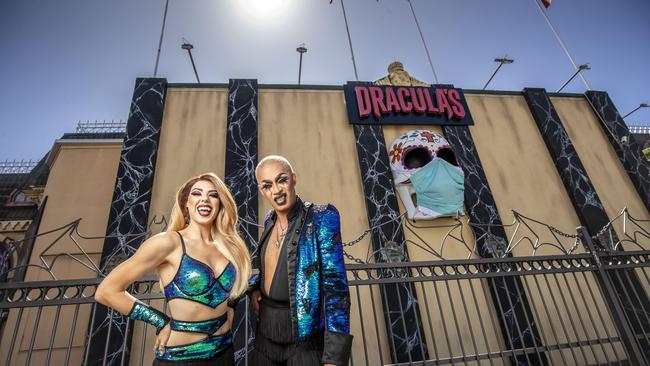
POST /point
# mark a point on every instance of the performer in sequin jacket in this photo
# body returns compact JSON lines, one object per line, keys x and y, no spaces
{"x":302,"y":297}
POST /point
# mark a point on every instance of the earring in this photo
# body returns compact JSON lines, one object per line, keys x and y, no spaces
{"x":186,"y":216}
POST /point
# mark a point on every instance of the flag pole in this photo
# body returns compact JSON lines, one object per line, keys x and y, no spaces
{"x":426,"y":49}
{"x":347,"y":28}
{"x":162,"y":32}
{"x":559,"y":39}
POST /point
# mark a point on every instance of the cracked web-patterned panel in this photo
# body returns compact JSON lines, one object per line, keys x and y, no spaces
{"x":514,"y":313}
{"x":479,"y":202}
{"x":241,"y":159}
{"x":129,"y":208}
{"x":628,"y":151}
{"x":399,"y":301}
{"x":582,"y":193}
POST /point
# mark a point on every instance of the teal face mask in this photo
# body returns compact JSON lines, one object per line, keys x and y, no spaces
{"x":439,"y":189}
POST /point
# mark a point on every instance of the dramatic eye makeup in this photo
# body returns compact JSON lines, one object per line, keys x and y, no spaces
{"x":198,"y":192}
{"x":281,"y":179}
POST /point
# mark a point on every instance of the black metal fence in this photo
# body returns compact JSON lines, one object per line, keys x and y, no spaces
{"x":588,"y":306}
{"x":579,"y":322}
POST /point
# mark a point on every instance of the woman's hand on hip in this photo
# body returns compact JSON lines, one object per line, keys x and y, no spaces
{"x":162,"y":339}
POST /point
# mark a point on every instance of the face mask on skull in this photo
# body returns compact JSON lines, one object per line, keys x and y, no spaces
{"x":427,"y":176}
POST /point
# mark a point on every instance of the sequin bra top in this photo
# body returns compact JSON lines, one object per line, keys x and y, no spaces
{"x":195,"y":281}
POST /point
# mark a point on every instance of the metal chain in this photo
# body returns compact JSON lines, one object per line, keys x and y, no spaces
{"x":561,"y":233}
{"x":400,"y":219}
{"x":353,"y":242}
{"x":353,"y":258}
{"x":357,"y":240}
{"x":602,"y":231}
{"x":362,"y":236}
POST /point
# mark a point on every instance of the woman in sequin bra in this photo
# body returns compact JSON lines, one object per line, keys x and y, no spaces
{"x":204,"y":267}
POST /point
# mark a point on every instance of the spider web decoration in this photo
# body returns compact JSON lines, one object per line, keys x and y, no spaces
{"x":526,"y":235}
{"x":69,"y":233}
{"x":636,"y":233}
{"x":523,"y":232}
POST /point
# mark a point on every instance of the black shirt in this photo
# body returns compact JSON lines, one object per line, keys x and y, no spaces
{"x":279,"y":290}
{"x":274,"y":327}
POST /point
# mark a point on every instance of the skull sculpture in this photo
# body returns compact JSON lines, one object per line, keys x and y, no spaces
{"x":427,"y":176}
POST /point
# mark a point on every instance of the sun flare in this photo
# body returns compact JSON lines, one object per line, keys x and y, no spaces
{"x":265,"y":9}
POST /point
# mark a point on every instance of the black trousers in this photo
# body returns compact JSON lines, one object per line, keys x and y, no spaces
{"x":274,"y":343}
{"x":299,"y":357}
{"x":224,"y":358}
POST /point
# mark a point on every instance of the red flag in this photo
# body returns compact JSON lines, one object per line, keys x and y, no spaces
{"x":546,"y":3}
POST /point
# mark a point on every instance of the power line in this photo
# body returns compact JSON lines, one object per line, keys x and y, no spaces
{"x":162,"y":32}
{"x":426,"y":49}
{"x":347,"y":28}
{"x":559,"y":39}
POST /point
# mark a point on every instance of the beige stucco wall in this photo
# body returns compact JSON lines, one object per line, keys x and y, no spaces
{"x":192,"y":141}
{"x":523,"y":177}
{"x":605,"y":171}
{"x":310,"y":129}
{"x":80,"y":185}
{"x":611,"y":182}
{"x":518,"y":166}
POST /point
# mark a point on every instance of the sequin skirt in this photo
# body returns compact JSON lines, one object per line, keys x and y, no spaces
{"x":204,"y":349}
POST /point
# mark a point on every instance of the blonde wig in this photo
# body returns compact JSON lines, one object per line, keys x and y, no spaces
{"x":224,"y":228}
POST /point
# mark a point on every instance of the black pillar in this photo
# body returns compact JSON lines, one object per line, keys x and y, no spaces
{"x":129,"y":211}
{"x":400,"y":304}
{"x":589,"y":208}
{"x":241,"y":159}
{"x":508,"y":296}
{"x":582,"y":193}
{"x":627,"y":149}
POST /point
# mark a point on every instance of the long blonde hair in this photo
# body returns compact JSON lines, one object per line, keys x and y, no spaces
{"x":224,"y":228}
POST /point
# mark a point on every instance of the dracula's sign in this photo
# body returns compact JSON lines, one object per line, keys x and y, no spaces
{"x":370,"y":104}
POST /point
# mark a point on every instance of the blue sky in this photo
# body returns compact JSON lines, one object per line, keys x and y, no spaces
{"x":69,"y":60}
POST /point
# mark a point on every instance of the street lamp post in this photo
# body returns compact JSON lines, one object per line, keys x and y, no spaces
{"x":642,"y":105}
{"x":162,"y":33}
{"x":501,"y":61}
{"x":188,"y":47}
{"x":578,"y":70}
{"x":301,"y":49}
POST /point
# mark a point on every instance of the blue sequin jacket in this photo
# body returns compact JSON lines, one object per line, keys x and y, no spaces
{"x":318,"y":287}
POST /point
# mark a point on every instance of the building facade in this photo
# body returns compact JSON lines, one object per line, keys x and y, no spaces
{"x":545,"y":162}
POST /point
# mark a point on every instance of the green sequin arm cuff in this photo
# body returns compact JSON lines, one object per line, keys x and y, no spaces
{"x":147,"y":314}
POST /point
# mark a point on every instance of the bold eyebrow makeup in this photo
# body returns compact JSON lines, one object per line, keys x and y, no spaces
{"x":276,"y":178}
{"x":201,"y":190}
